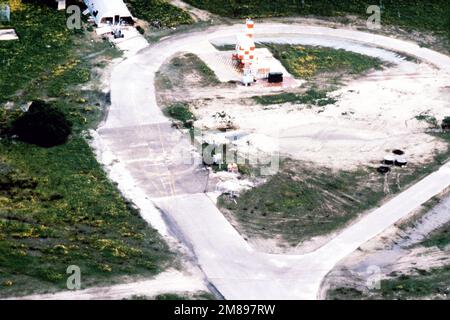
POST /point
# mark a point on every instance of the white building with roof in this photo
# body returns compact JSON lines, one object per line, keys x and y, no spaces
{"x":109,"y":12}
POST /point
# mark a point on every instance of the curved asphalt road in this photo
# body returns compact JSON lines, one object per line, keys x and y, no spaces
{"x":141,"y":139}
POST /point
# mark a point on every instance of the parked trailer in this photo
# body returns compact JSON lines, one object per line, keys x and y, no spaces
{"x":275,"y":77}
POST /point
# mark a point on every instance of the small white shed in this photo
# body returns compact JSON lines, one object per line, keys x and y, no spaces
{"x":109,"y":12}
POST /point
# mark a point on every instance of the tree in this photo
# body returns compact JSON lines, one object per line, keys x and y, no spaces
{"x":42,"y":125}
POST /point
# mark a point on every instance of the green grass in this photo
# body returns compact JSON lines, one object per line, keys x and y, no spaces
{"x":438,"y":160}
{"x":190,"y":63}
{"x":299,"y":203}
{"x":433,"y":284}
{"x":309,"y":62}
{"x":182,"y":71}
{"x":311,"y":97}
{"x":196,"y":296}
{"x":57,"y":207}
{"x":439,"y":238}
{"x":345,"y":293}
{"x":431,"y":120}
{"x":201,"y":295}
{"x":426,"y":284}
{"x":180,"y":112}
{"x":159,"y":10}
{"x":411,"y":14}
{"x":31,"y":68}
{"x":177,"y":72}
{"x":24,"y":63}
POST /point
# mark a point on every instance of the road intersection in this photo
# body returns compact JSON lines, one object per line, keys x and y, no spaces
{"x":140,"y":138}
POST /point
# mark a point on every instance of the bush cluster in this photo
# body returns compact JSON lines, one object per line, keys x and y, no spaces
{"x":42,"y":125}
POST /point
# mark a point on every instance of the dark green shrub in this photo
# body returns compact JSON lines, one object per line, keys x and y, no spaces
{"x":140,"y":29}
{"x":42,"y":125}
{"x":159,"y":13}
{"x":181,"y":112}
{"x":446,"y":124}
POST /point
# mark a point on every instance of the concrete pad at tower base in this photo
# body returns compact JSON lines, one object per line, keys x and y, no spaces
{"x":226,"y":69}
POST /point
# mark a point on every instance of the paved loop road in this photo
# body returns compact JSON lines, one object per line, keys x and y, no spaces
{"x":141,"y":139}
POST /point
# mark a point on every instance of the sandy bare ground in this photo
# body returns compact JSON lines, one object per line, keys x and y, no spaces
{"x":171,"y":281}
{"x":395,"y":250}
{"x":196,"y":14}
{"x":229,"y":263}
{"x":374,"y":113}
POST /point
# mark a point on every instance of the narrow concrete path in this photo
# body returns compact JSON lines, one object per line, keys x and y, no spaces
{"x":234,"y":268}
{"x":167,"y":282}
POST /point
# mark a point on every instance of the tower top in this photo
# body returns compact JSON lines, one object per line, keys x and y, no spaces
{"x":250,"y":28}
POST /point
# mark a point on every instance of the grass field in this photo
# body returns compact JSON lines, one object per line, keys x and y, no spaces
{"x":159,"y":11}
{"x":425,"y":284}
{"x":301,"y":202}
{"x":180,"y":111}
{"x":28,"y":62}
{"x":179,"y":71}
{"x":324,"y":68}
{"x":185,"y":70}
{"x":57,"y":207}
{"x":311,"y":97}
{"x":432,"y":284}
{"x":309,"y":62}
{"x":201,"y":295}
{"x":411,"y":14}
{"x":439,"y":238}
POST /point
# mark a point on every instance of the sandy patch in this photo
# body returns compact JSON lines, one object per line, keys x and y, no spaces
{"x":373,"y":115}
{"x":171,"y":281}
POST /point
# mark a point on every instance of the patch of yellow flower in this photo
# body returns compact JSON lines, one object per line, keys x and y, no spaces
{"x":20,"y":253}
{"x":305,"y":67}
{"x":4,"y":202}
{"x":15,"y":5}
{"x":61,"y":248}
{"x":119,"y":252}
{"x":105,"y":267}
{"x":7,"y":283}
{"x":30,"y":233}
{"x":62,"y":68}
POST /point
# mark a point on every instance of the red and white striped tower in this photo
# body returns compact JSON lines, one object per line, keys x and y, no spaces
{"x":250,"y":28}
{"x":245,"y":46}
{"x":249,"y":53}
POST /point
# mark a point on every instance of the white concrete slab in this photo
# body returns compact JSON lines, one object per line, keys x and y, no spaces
{"x":8,"y":34}
{"x":131,"y":43}
{"x":171,"y":281}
